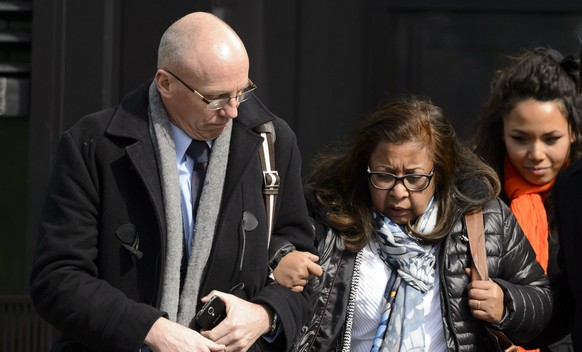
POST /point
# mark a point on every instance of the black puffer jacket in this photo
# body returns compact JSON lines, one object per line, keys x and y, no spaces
{"x":511,"y":263}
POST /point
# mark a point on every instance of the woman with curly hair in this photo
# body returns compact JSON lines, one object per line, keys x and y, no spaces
{"x":530,"y":130}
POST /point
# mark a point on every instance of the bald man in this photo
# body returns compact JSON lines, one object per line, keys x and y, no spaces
{"x":124,"y":260}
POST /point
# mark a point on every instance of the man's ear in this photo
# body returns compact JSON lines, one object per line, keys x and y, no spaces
{"x":162,"y":82}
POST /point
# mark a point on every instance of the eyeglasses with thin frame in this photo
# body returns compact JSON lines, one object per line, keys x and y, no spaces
{"x":217,"y":104}
{"x":412,"y":182}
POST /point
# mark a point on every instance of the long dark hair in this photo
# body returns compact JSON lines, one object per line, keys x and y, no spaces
{"x":340,"y":180}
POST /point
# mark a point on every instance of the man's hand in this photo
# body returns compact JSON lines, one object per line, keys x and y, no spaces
{"x":244,"y":324}
{"x":294,"y":269}
{"x":168,"y":336}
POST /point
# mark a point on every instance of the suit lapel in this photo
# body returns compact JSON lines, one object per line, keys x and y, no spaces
{"x":244,"y":145}
{"x":141,"y":155}
{"x":131,"y":122}
{"x":244,"y":142}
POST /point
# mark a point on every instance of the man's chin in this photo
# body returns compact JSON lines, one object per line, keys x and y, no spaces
{"x":215,"y":131}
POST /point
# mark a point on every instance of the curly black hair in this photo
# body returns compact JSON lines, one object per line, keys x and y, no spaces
{"x":542,"y":74}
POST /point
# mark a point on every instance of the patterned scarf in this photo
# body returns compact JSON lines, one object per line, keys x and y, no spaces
{"x":528,"y":207}
{"x":401,"y":326}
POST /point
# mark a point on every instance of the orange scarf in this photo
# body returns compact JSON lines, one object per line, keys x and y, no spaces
{"x":530,"y":212}
{"x":528,"y":207}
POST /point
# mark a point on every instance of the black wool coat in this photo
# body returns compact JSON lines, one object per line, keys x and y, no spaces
{"x":105,"y":189}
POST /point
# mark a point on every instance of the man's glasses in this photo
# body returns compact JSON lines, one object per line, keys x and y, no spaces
{"x":412,"y":182}
{"x":217,"y":104}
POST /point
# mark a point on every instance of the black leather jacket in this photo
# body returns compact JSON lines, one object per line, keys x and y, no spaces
{"x":511,"y":263}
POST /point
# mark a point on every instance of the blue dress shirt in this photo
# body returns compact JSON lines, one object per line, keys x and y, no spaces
{"x":185,"y":165}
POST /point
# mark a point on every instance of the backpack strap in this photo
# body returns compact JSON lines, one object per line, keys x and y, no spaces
{"x":270,"y":175}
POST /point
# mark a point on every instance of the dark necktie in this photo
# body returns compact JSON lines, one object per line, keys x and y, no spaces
{"x":198,"y":151}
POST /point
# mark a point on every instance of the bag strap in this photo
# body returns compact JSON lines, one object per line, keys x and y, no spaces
{"x":476,"y":234}
{"x":270,"y":175}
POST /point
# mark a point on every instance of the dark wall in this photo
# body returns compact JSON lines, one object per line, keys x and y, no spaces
{"x":324,"y":66}
{"x":308,"y":57}
{"x":15,"y":43}
{"x":321,"y":65}
{"x":450,"y":53}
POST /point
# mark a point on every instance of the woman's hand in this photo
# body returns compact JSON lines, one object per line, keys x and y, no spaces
{"x":486,"y":300}
{"x":294,"y":269}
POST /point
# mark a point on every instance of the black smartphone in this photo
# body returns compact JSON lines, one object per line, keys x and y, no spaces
{"x":211,"y":314}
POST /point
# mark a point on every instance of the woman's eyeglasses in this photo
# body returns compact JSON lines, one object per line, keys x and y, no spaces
{"x":412,"y":182}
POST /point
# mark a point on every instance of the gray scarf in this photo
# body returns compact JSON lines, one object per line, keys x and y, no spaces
{"x":181,"y":306}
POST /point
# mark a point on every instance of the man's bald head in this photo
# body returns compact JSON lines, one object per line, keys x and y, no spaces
{"x":200,"y":40}
{"x":201,"y":59}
